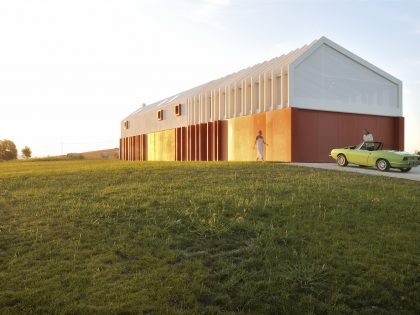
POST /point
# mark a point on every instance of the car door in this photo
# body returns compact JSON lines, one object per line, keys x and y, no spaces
{"x":359,"y":157}
{"x":381,"y":154}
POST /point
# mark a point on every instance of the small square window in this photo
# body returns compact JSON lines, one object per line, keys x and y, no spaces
{"x":178,"y":109}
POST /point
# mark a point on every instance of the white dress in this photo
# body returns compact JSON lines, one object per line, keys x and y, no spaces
{"x":260,"y":144}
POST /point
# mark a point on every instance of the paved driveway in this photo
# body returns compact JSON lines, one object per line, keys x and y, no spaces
{"x":414,"y":174}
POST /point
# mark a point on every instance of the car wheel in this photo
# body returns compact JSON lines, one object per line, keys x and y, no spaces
{"x":341,"y":160}
{"x":405,"y":169}
{"x":382,"y":165}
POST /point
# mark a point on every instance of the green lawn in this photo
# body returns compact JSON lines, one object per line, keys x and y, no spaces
{"x":111,"y":237}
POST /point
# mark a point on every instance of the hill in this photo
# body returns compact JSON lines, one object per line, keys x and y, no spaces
{"x":101,"y":154}
{"x":105,"y":154}
{"x":205,"y":238}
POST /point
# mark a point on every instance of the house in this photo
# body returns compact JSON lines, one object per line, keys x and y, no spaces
{"x":306,"y":102}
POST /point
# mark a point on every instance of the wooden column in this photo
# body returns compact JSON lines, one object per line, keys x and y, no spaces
{"x":184,"y":144}
{"x":145,"y":148}
{"x":222,"y":140}
{"x":126,"y":149}
{"x":203,"y":142}
{"x":210,"y":150}
{"x":191,"y":143}
{"x":178,"y":144}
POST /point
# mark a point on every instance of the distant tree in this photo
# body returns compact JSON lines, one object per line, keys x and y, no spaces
{"x":8,"y":150}
{"x":27,"y":152}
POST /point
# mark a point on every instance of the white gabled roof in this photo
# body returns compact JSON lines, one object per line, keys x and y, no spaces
{"x":291,"y":60}
{"x":274,"y":64}
{"x":392,"y":108}
{"x":325,"y":41}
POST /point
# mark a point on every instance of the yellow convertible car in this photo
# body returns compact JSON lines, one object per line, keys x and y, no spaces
{"x":371,"y":154}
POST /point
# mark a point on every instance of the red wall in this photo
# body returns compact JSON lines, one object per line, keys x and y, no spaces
{"x":315,"y":133}
{"x":202,"y":142}
{"x":296,"y":135}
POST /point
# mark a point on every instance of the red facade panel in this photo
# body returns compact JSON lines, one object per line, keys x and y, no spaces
{"x":184,"y":144}
{"x":145,"y":148}
{"x":178,"y":144}
{"x":141,"y":147}
{"x":399,"y":134}
{"x":210,"y":142}
{"x":132,"y":148}
{"x":191,"y":143}
{"x":181,"y":144}
{"x":126,"y":149}
{"x":196,"y":142}
{"x":315,"y":133}
{"x":222,"y":140}
{"x":137,"y":148}
{"x":203,"y":142}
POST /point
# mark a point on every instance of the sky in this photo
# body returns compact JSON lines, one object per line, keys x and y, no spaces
{"x":70,"y":71}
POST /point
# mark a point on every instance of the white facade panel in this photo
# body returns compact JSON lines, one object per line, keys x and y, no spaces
{"x":327,"y":79}
{"x":147,"y":121}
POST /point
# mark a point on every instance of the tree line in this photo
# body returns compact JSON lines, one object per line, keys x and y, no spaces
{"x":8,"y":151}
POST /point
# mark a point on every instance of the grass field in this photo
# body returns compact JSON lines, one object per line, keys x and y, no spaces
{"x":111,"y":237}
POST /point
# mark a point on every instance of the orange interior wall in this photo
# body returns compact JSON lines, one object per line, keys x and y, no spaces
{"x":276,"y":129}
{"x":242,"y":132}
{"x":279,"y":138}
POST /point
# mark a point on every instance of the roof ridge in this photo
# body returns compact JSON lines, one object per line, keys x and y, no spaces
{"x":231,"y":78}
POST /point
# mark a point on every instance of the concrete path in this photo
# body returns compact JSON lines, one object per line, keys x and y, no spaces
{"x":414,"y":174}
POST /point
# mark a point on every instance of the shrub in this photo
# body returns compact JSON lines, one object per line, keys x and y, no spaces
{"x":27,"y":152}
{"x":8,"y":150}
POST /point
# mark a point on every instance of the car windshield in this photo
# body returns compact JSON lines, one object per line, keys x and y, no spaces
{"x":369,"y":146}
